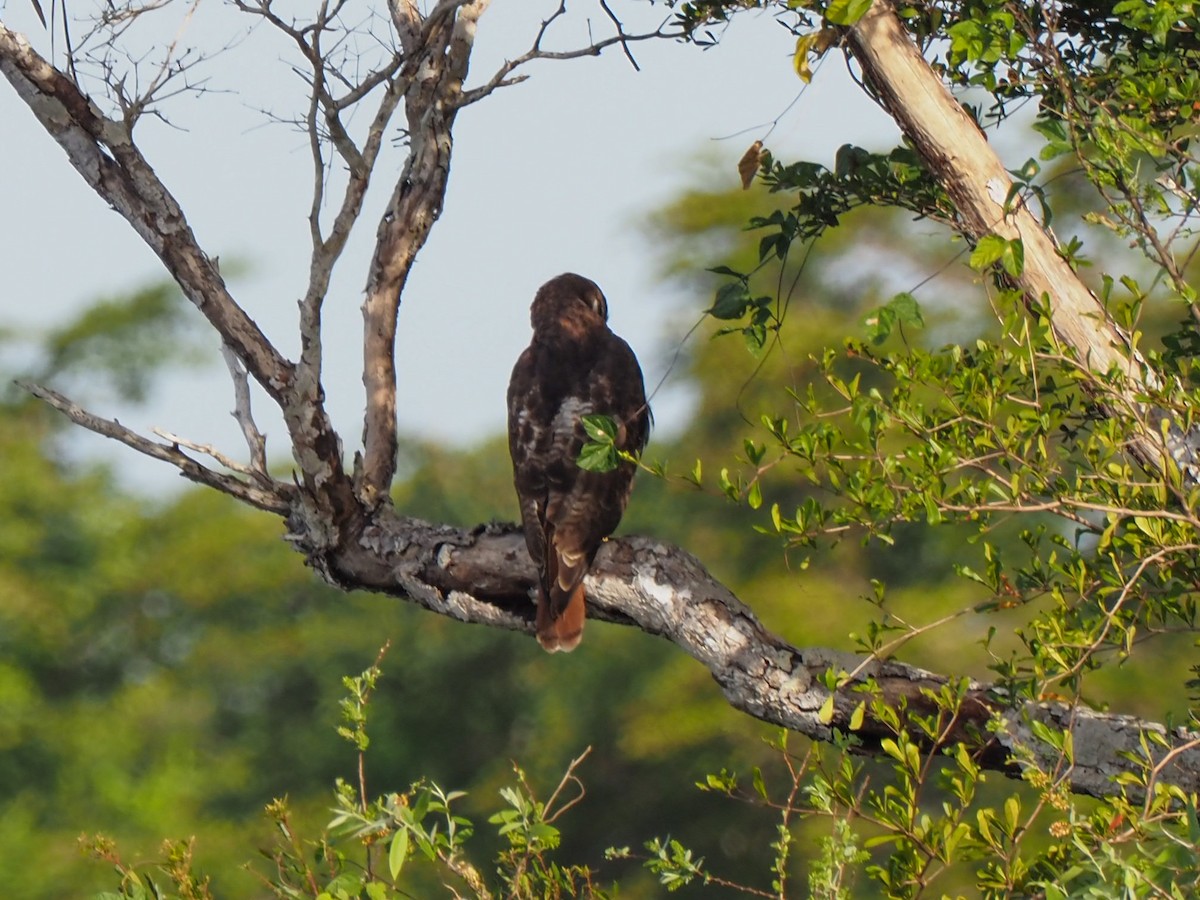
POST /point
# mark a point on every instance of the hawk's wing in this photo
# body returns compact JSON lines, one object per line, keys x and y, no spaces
{"x":567,"y":512}
{"x":528,"y":446}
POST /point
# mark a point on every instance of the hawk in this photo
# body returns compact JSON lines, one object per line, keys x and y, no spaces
{"x":573,"y":367}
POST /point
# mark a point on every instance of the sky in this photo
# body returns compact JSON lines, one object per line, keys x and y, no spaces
{"x":559,"y":173}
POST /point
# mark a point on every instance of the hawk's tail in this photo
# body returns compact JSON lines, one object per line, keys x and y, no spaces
{"x":560,"y":619}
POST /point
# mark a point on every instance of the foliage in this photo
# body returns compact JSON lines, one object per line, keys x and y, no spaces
{"x":371,"y":846}
{"x":168,"y":667}
{"x":1008,"y":442}
{"x":125,"y":339}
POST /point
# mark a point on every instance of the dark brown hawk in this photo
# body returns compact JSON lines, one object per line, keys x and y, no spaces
{"x":573,"y":367}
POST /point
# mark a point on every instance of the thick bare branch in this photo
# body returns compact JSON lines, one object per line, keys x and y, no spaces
{"x":276,"y":499}
{"x":485,"y":576}
{"x":430,"y":104}
{"x":103,"y":152}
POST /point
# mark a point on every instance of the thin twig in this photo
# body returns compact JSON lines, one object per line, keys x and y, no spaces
{"x":503,"y":76}
{"x":276,"y":500}
{"x":255,"y":439}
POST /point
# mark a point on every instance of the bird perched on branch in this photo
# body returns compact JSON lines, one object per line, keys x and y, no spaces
{"x":574,"y":367}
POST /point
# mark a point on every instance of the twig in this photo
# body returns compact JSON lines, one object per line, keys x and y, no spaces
{"x":276,"y":500}
{"x":207,"y":449}
{"x":621,"y":34}
{"x":503,"y":76}
{"x":255,"y":439}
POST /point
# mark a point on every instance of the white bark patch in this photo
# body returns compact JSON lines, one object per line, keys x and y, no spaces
{"x":664,"y":595}
{"x":997,"y":189}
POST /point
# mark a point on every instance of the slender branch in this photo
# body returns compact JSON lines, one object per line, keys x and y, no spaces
{"x":275,"y":500}
{"x":621,"y":33}
{"x":255,"y":439}
{"x":103,"y":152}
{"x":503,"y":77}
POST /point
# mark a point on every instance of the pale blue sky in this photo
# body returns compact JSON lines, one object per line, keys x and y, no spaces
{"x":555,"y":174}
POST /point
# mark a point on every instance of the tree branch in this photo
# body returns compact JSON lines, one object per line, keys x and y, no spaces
{"x":962,"y":160}
{"x":103,"y":152}
{"x":503,"y":77}
{"x":275,"y":499}
{"x":256,"y":441}
{"x":485,"y":576}
{"x":430,"y":105}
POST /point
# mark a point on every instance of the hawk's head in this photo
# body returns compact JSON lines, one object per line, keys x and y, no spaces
{"x":569,"y":306}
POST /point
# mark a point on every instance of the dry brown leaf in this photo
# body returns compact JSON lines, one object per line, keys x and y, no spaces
{"x":748,"y":164}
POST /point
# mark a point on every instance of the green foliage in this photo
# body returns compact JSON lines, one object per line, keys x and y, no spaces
{"x":600,"y":453}
{"x":1015,"y":452}
{"x":169,"y":667}
{"x":170,"y":878}
{"x":385,"y":847}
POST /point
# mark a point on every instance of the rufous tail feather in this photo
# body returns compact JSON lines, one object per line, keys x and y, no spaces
{"x":560,"y":625}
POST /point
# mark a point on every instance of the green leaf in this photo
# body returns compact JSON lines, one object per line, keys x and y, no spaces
{"x":760,"y":786}
{"x":907,"y":310}
{"x":825,"y":715}
{"x":596,"y":457}
{"x":732,"y":300}
{"x":856,"y":717}
{"x":846,"y":12}
{"x":1013,"y":258}
{"x":600,"y":428}
{"x":755,"y":337}
{"x":988,"y":251}
{"x":600,"y":453}
{"x":879,"y":324}
{"x":397,"y":853}
{"x":902,"y":309}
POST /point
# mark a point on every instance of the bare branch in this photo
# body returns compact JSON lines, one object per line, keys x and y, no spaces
{"x":621,"y":32}
{"x":207,"y":449}
{"x":503,"y":77}
{"x":275,"y":500}
{"x":255,"y":439}
{"x":416,"y":203}
{"x":103,"y":152}
{"x":485,"y":576}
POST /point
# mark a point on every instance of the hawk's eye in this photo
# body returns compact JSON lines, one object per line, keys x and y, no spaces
{"x":597,"y":304}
